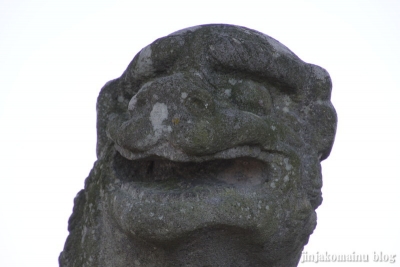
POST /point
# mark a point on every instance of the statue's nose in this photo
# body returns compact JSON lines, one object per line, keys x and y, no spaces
{"x":226,"y":129}
{"x":192,"y":121}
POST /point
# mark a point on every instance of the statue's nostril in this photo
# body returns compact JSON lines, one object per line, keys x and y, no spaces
{"x":200,"y":103}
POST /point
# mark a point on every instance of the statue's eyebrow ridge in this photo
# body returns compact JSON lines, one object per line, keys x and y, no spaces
{"x":262,"y":61}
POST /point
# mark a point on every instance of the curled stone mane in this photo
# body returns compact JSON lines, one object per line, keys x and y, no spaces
{"x":209,"y":148}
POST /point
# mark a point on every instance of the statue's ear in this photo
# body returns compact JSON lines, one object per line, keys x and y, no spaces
{"x":110,"y":101}
{"x":322,"y":115}
{"x":323,"y":119}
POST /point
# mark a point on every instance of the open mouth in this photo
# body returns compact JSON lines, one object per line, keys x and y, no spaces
{"x":172,"y":175}
{"x":178,"y":197}
{"x":237,"y":167}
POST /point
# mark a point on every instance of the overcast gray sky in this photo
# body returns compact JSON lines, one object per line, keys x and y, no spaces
{"x":56,"y":55}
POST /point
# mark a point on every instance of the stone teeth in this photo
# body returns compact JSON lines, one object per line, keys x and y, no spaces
{"x":168,"y":152}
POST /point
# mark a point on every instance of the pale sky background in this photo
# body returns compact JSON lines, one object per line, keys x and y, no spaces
{"x":56,"y":55}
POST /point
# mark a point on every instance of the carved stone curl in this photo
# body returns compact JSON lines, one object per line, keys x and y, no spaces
{"x":209,"y":149}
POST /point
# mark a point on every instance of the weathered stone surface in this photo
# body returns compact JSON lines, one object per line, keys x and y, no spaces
{"x":209,"y":150}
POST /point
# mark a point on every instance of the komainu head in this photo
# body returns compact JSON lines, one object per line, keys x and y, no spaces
{"x":209,"y":150}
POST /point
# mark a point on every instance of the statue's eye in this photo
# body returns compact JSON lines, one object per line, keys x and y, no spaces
{"x":252,"y":97}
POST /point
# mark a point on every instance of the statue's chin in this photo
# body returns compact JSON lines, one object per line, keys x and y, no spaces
{"x":159,"y":200}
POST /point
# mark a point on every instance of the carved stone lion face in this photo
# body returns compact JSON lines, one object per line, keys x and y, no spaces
{"x":216,"y":129}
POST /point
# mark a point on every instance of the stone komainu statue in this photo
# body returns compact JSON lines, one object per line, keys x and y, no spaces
{"x":209,"y":149}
